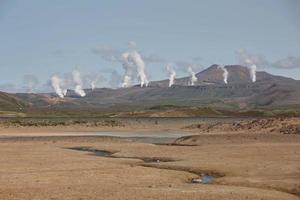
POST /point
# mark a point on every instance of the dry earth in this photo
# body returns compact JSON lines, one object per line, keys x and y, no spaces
{"x":247,"y":166}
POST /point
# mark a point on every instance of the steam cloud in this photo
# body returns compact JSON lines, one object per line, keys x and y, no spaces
{"x":252,"y":69}
{"x":134,"y":66}
{"x":182,"y":66}
{"x":287,"y":63}
{"x":138,"y":61}
{"x":225,"y":73}
{"x":91,"y":80}
{"x":108,"y":53}
{"x":250,"y":61}
{"x":193,"y":78}
{"x":93,"y":84}
{"x":128,"y":66}
{"x":133,"y":63}
{"x":78,"y":83}
{"x":172,"y":74}
{"x":56,"y":83}
{"x":290,"y":62}
{"x":111,"y":54}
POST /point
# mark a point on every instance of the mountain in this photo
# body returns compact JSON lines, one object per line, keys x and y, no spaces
{"x":213,"y":75}
{"x":9,"y":102}
{"x":240,"y":93}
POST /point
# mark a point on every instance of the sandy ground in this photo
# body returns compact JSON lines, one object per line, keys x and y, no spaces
{"x":247,"y":166}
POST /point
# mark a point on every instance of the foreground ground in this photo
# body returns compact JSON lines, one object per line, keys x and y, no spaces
{"x":252,"y":165}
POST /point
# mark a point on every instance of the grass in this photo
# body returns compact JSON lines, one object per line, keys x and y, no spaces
{"x":176,"y":110}
{"x":40,"y":122}
{"x":11,"y":114}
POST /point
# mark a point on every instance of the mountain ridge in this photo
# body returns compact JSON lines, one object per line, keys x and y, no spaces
{"x":209,"y":91}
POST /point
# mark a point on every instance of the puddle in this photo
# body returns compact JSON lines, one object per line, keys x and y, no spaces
{"x":154,"y":160}
{"x":96,"y":152}
{"x":205,"y":179}
{"x":104,"y":153}
{"x":174,"y":144}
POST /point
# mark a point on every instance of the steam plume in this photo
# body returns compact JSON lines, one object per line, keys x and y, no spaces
{"x":93,"y":81}
{"x":172,"y":74}
{"x":252,"y":69}
{"x":133,"y":63}
{"x":251,"y":61}
{"x":126,"y":81}
{"x":56,"y":83}
{"x":78,"y":83}
{"x":225,"y":73}
{"x":128,"y":66}
{"x":93,"y":84}
{"x":193,"y":78}
{"x":138,"y":61}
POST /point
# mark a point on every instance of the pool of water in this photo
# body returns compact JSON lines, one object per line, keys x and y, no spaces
{"x":96,"y":152}
{"x":160,"y":137}
{"x":205,"y":179}
{"x":104,"y":153}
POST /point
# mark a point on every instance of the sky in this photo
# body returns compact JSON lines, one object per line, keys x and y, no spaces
{"x":40,"y":38}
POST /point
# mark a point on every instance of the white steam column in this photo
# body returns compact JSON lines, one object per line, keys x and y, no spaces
{"x":172,"y":74}
{"x":193,"y":78}
{"x":56,"y":83}
{"x":78,"y":83}
{"x":225,"y":73}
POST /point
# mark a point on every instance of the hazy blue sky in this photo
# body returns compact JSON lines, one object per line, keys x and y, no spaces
{"x":40,"y":37}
